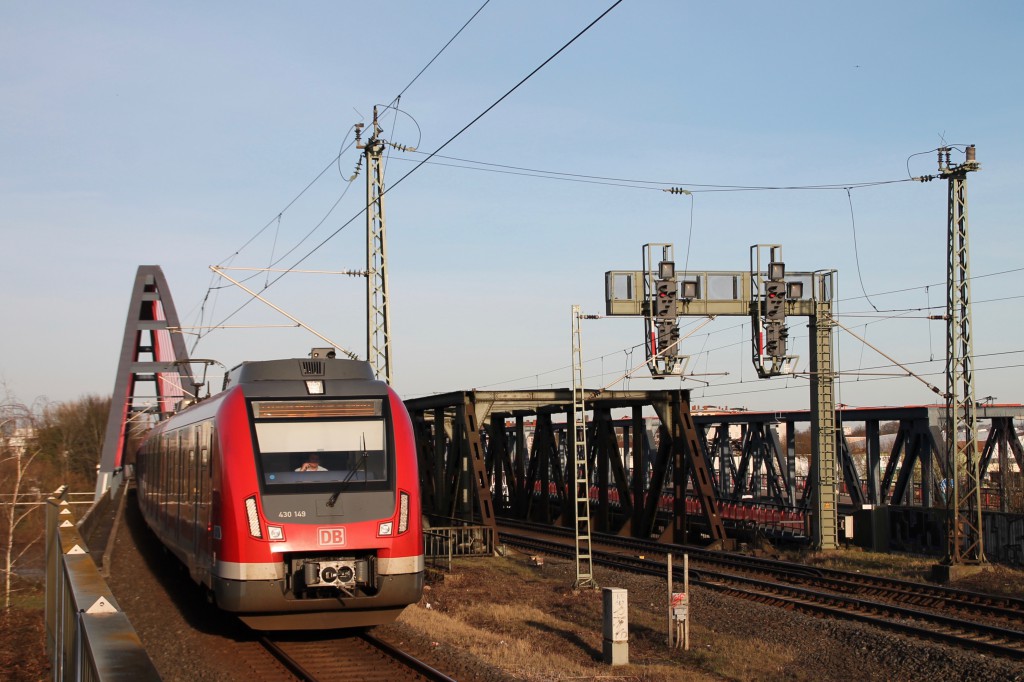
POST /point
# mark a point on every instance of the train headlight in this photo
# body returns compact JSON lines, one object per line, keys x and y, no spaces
{"x":315,"y":386}
{"x":253,"y":517}
{"x":275,"y":532}
{"x":385,"y":528}
{"x":403,"y":512}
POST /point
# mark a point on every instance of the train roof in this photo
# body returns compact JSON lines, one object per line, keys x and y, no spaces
{"x":328,"y":369}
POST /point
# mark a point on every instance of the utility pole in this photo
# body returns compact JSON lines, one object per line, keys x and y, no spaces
{"x":584,"y":558}
{"x":966,"y":539}
{"x":378,"y":313}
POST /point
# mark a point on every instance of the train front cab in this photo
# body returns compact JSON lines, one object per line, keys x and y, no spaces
{"x":325,"y":528}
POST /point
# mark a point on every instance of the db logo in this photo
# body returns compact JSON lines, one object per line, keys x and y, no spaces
{"x":331,"y":536}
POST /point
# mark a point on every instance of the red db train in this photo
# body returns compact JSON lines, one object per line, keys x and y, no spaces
{"x":292,"y":495}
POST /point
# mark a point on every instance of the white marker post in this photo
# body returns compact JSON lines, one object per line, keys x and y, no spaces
{"x":616,"y":626}
{"x":679,"y":608}
{"x":671,"y":627}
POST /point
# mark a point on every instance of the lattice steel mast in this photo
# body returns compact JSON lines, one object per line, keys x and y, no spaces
{"x":378,"y":314}
{"x":584,"y":559}
{"x":825,"y":521}
{"x":966,"y":539}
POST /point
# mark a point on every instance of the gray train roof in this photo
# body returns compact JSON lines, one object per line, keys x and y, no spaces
{"x":331,"y":371}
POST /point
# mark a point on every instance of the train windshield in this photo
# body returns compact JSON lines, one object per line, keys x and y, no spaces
{"x":305,"y":443}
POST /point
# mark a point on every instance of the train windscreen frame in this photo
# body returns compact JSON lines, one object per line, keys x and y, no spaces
{"x":321,"y":445}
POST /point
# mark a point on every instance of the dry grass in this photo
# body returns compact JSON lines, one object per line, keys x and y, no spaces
{"x":497,"y":638}
{"x":22,"y":636}
{"x":995,"y":579}
{"x":528,"y":622}
{"x":886,"y":565}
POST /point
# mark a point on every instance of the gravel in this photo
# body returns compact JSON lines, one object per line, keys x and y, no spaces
{"x":730,"y":638}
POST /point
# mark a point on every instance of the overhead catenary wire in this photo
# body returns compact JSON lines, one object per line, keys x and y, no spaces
{"x":268,"y":283}
{"x":773,"y":385}
{"x":345,"y":147}
{"x":305,"y":326}
{"x":660,"y":186}
{"x":398,"y":97}
{"x":636,"y":369}
{"x":933,"y":284}
{"x":336,"y":159}
{"x":445,"y":144}
{"x":743,"y":342}
{"x":771,"y":388}
{"x":689,"y":236}
{"x":630,"y":369}
{"x":213,"y":276}
{"x":673,"y":187}
{"x":856,"y":251}
{"x":904,"y":313}
{"x":281,"y":212}
{"x":847,"y":189}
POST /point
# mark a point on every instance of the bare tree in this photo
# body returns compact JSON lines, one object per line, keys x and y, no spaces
{"x":17,"y":454}
{"x":70,"y":438}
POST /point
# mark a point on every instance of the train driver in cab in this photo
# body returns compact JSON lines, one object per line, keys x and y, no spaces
{"x":312,"y":464}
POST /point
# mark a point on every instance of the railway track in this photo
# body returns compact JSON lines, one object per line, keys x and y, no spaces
{"x":208,"y":643}
{"x":928,"y":612}
{"x":992,"y":609}
{"x":355,"y":657}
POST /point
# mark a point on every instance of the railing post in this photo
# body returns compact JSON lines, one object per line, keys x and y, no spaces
{"x":87,"y":635}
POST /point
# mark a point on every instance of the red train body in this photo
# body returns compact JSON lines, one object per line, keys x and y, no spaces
{"x":293,"y":495}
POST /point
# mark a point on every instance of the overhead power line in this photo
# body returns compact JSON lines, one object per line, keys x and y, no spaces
{"x":345,"y":148}
{"x":674,"y":187}
{"x":398,"y":97}
{"x":336,"y":159}
{"x":420,"y":164}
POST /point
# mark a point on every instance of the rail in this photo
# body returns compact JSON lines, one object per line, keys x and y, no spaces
{"x":919,"y":615}
{"x":88,"y":636}
{"x":348,"y":656}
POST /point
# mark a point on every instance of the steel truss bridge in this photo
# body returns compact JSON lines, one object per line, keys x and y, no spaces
{"x":484,"y":454}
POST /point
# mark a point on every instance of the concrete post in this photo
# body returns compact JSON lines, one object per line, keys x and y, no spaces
{"x":616,"y":626}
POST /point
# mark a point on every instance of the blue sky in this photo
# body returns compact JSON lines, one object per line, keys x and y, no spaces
{"x":141,"y":133}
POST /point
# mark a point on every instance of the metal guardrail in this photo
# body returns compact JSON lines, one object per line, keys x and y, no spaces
{"x":442,"y":543}
{"x":88,"y":636}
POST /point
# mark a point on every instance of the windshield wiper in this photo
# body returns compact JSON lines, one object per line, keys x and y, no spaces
{"x":360,"y":464}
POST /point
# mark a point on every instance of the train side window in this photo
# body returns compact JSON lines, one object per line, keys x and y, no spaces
{"x":204,"y":445}
{"x":213,"y":446}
